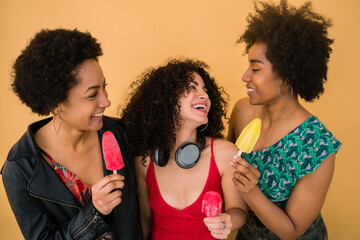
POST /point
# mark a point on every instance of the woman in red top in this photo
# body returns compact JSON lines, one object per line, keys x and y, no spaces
{"x":173,"y":110}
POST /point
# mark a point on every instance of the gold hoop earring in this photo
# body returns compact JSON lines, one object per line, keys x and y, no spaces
{"x":291,"y":92}
{"x":57,"y":130}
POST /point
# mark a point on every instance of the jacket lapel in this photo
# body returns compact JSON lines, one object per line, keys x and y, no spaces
{"x":42,"y":185}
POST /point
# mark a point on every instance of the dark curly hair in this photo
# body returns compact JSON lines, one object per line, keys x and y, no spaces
{"x":297,"y":44}
{"x":46,"y":69}
{"x":153,"y":112}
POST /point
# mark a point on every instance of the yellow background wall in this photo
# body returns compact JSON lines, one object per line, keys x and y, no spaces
{"x":138,"y":34}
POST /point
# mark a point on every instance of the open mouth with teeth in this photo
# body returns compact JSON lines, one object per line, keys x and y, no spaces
{"x":201,"y":107}
{"x":97,"y":116}
{"x":250,"y":90}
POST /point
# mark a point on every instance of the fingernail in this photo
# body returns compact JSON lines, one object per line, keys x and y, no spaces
{"x":231,"y":163}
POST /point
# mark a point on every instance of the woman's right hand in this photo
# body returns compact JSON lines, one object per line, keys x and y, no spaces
{"x":219,"y":226}
{"x":106,"y":194}
{"x":245,"y":176}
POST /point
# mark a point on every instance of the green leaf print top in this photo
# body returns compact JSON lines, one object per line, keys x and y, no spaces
{"x":300,"y":152}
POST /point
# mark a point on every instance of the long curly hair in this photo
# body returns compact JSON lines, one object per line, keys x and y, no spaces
{"x":46,"y":69}
{"x":153,"y":111}
{"x":297,"y":44}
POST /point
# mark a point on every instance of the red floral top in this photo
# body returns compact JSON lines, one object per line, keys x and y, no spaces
{"x":80,"y":189}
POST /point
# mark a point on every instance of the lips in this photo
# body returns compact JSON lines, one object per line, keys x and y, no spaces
{"x":250,"y":90}
{"x":200,"y":106}
{"x":97,"y":116}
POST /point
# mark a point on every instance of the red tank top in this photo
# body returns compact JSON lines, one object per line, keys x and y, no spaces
{"x":186,"y":224}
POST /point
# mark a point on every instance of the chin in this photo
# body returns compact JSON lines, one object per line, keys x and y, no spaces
{"x":97,"y":126}
{"x":255,"y":102}
{"x":205,"y":121}
{"x":252,"y":102}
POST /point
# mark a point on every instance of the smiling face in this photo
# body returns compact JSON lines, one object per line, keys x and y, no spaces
{"x":86,"y":102}
{"x":195,"y":102}
{"x":261,"y":82}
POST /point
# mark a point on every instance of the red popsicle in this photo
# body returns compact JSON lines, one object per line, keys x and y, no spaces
{"x":211,"y":204}
{"x":111,"y":151}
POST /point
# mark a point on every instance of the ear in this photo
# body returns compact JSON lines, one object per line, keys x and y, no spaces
{"x":285,"y":83}
{"x":57,"y":109}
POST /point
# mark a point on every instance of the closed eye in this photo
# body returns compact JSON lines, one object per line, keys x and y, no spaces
{"x":93,"y":95}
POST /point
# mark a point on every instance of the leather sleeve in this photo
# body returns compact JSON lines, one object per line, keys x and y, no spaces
{"x":42,"y":219}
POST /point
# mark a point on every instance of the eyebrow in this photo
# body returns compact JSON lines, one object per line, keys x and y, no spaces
{"x":256,"y":61}
{"x":94,"y":87}
{"x":197,"y":84}
{"x":192,"y":81}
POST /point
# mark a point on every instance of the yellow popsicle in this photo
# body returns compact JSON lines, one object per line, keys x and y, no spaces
{"x":249,"y":136}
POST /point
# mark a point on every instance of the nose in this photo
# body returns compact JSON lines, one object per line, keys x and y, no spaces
{"x":203,"y":95}
{"x":246,"y":75}
{"x":104,"y":100}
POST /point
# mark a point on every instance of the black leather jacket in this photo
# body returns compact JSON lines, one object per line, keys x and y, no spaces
{"x":46,"y":209}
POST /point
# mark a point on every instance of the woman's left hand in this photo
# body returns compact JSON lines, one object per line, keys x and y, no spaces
{"x":219,"y":226}
{"x":246,"y":176}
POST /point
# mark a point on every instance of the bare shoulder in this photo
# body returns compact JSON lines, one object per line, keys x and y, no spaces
{"x":223,"y":144}
{"x":224,"y":152}
{"x":242,"y":113}
{"x":242,"y":103}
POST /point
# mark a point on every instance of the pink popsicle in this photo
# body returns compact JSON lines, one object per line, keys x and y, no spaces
{"x":211,"y":204}
{"x":111,"y":151}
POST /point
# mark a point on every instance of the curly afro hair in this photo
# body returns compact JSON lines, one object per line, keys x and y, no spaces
{"x":46,"y":69}
{"x":153,"y":111}
{"x":297,"y":44}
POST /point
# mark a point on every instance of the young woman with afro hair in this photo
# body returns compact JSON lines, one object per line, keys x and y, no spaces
{"x":173,"y":110}
{"x":285,"y":179}
{"x":54,"y":176}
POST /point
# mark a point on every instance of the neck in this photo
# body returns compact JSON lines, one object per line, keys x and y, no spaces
{"x":70,"y":138}
{"x":183,"y":135}
{"x":282,"y":110}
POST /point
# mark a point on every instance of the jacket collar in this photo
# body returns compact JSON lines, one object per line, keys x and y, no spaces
{"x":45,"y":183}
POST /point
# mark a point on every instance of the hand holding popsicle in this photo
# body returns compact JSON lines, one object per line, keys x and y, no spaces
{"x":246,"y":176}
{"x":106,"y":193}
{"x":219,"y":224}
{"x":111,"y":151}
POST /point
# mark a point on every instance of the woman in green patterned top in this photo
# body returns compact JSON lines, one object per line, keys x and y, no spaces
{"x":285,"y":179}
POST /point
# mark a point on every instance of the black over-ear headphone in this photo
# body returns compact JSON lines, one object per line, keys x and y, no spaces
{"x":186,"y":156}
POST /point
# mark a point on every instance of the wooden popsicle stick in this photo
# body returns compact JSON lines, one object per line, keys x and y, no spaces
{"x":239,"y":153}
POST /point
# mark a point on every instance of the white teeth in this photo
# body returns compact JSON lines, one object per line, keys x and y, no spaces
{"x":97,"y":115}
{"x":200,"y":106}
{"x":251,"y":90}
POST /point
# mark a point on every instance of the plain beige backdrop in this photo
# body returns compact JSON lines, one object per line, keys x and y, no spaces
{"x":139,"y":34}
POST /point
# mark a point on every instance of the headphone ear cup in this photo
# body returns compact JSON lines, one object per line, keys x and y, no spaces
{"x":187,"y":155}
{"x":161,"y":157}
